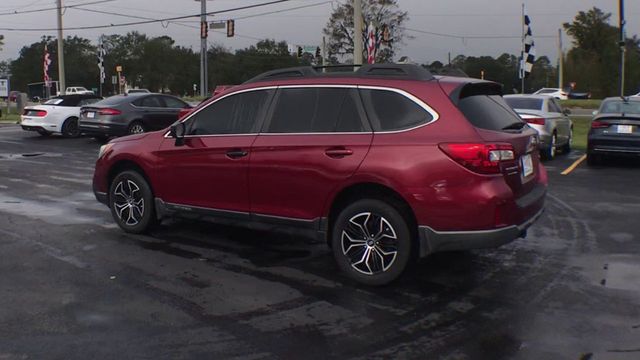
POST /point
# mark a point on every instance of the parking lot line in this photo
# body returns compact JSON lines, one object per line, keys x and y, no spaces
{"x":574,"y":165}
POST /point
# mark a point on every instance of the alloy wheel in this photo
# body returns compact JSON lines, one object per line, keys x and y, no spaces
{"x":128,"y":202}
{"x":370,"y":243}
{"x":136,"y":129}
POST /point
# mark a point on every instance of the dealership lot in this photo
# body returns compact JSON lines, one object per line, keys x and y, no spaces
{"x":73,"y":285}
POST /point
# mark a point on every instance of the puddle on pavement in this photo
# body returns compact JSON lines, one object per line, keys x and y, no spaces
{"x":28,"y":155}
{"x":619,"y":272}
{"x":56,"y":213}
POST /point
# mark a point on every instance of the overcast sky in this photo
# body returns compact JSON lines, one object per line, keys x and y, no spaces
{"x":461,"y":19}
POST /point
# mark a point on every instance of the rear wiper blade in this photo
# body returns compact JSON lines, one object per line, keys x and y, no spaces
{"x":515,"y":126}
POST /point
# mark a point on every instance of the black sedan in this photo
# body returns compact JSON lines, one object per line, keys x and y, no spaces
{"x":130,"y":114}
{"x":615,"y":129}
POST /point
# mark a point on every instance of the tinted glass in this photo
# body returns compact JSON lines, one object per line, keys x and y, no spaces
{"x":88,"y":101}
{"x":554,"y":107}
{"x":389,"y":110}
{"x":524,"y":103}
{"x":114,"y":100}
{"x":151,"y":101}
{"x":313,"y":110}
{"x":546,"y":91}
{"x":235,"y":114}
{"x":488,"y":112}
{"x":174,"y":103}
{"x":619,"y":106}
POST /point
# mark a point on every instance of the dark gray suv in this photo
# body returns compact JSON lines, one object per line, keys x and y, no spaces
{"x":130,"y":114}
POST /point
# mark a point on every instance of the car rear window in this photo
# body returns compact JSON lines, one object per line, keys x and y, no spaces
{"x":524,"y":103}
{"x":114,"y":100}
{"x":619,"y":106}
{"x":489,"y":112}
{"x":546,"y":91}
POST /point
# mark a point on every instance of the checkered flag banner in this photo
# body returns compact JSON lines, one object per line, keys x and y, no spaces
{"x":101,"y":54}
{"x":45,"y":67}
{"x":529,"y":52}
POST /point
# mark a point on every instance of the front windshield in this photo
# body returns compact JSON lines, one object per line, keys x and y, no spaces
{"x":619,"y":106}
{"x":53,"y":102}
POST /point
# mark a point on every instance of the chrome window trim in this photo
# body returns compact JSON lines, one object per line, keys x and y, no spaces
{"x":434,"y":114}
{"x":191,"y":114}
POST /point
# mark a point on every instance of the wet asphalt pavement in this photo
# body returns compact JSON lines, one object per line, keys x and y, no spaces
{"x":73,"y":286}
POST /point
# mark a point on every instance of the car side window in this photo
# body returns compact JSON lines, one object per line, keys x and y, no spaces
{"x":554,"y":107}
{"x":174,"y":103}
{"x":389,"y":110}
{"x":151,"y":101}
{"x":234,"y":114}
{"x":316,"y":110}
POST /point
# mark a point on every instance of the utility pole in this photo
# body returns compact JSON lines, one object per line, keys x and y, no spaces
{"x":522,"y":72}
{"x":560,"y":61}
{"x":622,"y":44}
{"x":203,"y":48}
{"x":324,"y":53}
{"x":357,"y":32}
{"x":61,"y":80}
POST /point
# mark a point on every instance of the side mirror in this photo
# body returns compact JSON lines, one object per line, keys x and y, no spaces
{"x":567,"y":112}
{"x":177,"y":132}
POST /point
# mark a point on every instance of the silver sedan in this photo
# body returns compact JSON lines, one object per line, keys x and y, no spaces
{"x":544,"y":114}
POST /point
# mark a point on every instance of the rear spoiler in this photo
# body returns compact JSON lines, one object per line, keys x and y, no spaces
{"x":475,"y":88}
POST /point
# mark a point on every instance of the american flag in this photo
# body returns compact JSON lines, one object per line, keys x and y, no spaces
{"x":529,"y":51}
{"x":101,"y":53}
{"x":45,"y":67}
{"x":372,"y":44}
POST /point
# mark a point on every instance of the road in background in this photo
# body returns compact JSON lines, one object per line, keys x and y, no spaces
{"x":74,"y":286}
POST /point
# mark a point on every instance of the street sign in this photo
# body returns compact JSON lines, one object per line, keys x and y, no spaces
{"x":122,"y":80}
{"x":114,"y":79}
{"x":217,"y":25}
{"x":4,"y":88}
{"x":118,"y":68}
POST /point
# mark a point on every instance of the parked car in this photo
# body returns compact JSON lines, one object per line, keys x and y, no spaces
{"x":56,"y":115}
{"x":386,"y":164}
{"x":552,"y":123}
{"x":557,"y":93}
{"x":615,"y":129}
{"x":74,"y":90}
{"x":130,"y":114}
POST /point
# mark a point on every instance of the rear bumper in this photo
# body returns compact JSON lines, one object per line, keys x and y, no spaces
{"x":99,"y":128}
{"x":31,"y":125}
{"x":432,"y":241}
{"x":619,"y":145}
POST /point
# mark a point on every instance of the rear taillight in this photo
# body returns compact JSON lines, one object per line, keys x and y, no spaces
{"x":480,"y":158}
{"x":535,"y":121}
{"x":599,"y":124}
{"x":108,"y":111}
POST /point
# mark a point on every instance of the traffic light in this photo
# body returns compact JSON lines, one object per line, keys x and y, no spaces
{"x":231,"y":28}
{"x":318,"y":52}
{"x":299,"y":51}
{"x":204,"y":30}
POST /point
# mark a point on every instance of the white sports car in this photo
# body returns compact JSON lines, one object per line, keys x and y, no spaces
{"x":57,"y":115}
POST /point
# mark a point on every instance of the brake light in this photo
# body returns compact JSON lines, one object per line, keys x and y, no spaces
{"x":599,"y":124}
{"x":109,"y":111}
{"x":36,"y":113}
{"x":480,"y":158}
{"x":535,"y":121}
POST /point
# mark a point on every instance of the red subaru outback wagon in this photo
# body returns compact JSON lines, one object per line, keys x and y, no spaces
{"x":388,"y":164}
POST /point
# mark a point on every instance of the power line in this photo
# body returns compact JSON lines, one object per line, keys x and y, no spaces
{"x":463,"y":37}
{"x":17,"y":12}
{"x":149,"y":21}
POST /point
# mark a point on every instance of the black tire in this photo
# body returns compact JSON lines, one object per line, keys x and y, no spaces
{"x":566,"y":148}
{"x":131,"y":202}
{"x":594,"y":159}
{"x":43,"y":133}
{"x":381,"y":266}
{"x":70,"y":128}
{"x":136,"y":127}
{"x":550,"y":152}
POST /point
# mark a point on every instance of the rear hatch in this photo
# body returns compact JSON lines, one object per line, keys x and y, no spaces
{"x":617,"y":126}
{"x":496,"y":123}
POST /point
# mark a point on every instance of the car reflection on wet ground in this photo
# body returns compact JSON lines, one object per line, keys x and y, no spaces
{"x":74,"y":286}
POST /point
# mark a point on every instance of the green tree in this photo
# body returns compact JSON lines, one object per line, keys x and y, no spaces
{"x":340,"y":29}
{"x":593,"y":61}
{"x":1,"y":41}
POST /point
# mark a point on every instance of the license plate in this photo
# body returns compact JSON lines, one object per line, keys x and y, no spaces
{"x":527,"y":165}
{"x":91,"y":114}
{"x":625,"y":129}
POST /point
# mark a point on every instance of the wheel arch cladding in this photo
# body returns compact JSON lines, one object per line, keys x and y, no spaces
{"x":372,"y":191}
{"x":126,"y":165}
